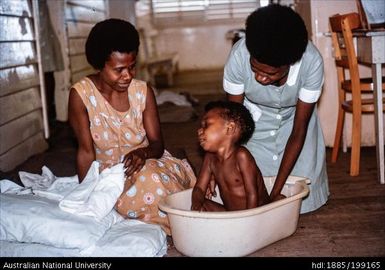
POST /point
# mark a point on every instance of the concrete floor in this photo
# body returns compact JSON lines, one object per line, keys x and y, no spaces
{"x":351,"y":224}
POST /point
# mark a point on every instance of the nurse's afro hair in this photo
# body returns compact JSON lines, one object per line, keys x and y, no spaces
{"x":276,"y":35}
{"x":109,"y":36}
{"x":237,"y":113}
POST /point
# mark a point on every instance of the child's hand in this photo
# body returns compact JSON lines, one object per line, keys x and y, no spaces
{"x":196,"y":207}
{"x":278,"y":197}
{"x":210,"y":192}
{"x":197,"y":199}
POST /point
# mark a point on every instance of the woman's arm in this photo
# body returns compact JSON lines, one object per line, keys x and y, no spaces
{"x":78,"y":119}
{"x":152,"y":126}
{"x":293,"y":146}
{"x":235,"y":98}
{"x":135,"y":160}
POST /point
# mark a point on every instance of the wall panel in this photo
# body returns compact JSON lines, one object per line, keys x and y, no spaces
{"x":21,"y":116}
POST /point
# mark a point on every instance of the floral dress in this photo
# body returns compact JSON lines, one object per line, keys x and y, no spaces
{"x":115,"y":134}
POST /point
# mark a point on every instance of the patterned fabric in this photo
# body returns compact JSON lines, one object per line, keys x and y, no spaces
{"x":117,"y":133}
{"x":273,"y":110}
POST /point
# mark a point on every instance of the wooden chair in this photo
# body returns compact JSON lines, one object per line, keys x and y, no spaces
{"x":376,"y":9}
{"x":155,"y":63}
{"x":346,"y":62}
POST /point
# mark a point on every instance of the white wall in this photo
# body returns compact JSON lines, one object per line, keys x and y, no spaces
{"x":199,"y":47}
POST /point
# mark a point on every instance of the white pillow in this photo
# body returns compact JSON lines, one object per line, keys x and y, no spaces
{"x":131,"y":238}
{"x":32,"y":219}
{"x":128,"y":238}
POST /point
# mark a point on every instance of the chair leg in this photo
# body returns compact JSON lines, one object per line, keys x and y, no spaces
{"x":356,"y":143}
{"x":344,"y":142}
{"x":170,"y":79}
{"x":170,"y":74}
{"x":338,"y":135}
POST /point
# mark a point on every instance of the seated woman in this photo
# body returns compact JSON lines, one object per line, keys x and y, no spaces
{"x":115,"y":119}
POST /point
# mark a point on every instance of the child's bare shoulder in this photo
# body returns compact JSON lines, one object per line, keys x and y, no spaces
{"x":243,"y":154}
{"x":243,"y":151}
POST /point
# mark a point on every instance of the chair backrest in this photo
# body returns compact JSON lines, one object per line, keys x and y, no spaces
{"x":363,"y":18}
{"x":371,"y":13}
{"x":345,"y":54}
{"x":147,"y":38}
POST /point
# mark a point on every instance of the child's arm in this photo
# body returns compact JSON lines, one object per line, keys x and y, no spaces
{"x":249,"y":172}
{"x":199,"y":191}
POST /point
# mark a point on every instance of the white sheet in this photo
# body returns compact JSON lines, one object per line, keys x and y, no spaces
{"x":129,"y":238}
{"x":34,"y":224}
{"x":32,"y":219}
{"x":97,"y":194}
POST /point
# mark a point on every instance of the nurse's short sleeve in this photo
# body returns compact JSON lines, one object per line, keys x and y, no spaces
{"x":233,"y":77}
{"x":313,"y":78}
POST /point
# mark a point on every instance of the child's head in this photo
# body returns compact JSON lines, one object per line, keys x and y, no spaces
{"x":236,"y":113}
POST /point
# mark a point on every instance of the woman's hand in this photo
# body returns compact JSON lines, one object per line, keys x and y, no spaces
{"x":134,"y":161}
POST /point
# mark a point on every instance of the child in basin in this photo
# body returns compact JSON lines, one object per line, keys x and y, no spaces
{"x":224,"y":127}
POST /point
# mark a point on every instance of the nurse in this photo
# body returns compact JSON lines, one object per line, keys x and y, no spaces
{"x":277,"y":73}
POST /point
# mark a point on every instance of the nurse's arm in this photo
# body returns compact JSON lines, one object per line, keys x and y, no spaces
{"x":293,"y":146}
{"x":235,"y":98}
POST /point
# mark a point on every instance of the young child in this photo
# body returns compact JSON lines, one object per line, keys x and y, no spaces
{"x":224,"y":127}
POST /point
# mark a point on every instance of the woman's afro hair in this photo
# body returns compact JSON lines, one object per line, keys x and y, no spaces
{"x":109,"y":36}
{"x":238,"y":113}
{"x":276,"y":35}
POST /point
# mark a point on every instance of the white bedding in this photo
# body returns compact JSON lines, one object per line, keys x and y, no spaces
{"x":129,"y":238}
{"x":32,"y":219}
{"x":31,"y":225}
